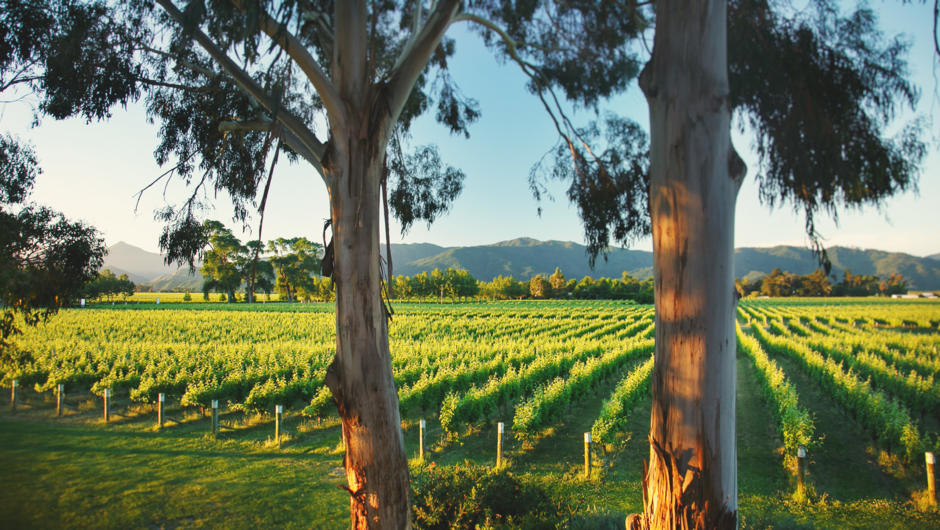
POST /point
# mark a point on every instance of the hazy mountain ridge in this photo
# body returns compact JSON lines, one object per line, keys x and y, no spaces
{"x":525,"y":257}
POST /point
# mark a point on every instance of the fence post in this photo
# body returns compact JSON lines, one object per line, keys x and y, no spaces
{"x":59,"y":398}
{"x":499,"y":445}
{"x":161,"y":398}
{"x":215,"y":416}
{"x":421,"y":427}
{"x":278,"y":410}
{"x":587,"y":455}
{"x":931,"y":480}
{"x":107,"y":404}
{"x":13,"y":395}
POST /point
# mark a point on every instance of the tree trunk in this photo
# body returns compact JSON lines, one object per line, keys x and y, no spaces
{"x":691,"y":481}
{"x":360,"y":376}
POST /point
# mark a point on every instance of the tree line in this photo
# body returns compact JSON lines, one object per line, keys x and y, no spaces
{"x":453,"y":283}
{"x":818,"y":283}
{"x":291,"y":269}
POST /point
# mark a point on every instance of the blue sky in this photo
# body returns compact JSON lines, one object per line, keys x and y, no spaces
{"x":92,"y":171}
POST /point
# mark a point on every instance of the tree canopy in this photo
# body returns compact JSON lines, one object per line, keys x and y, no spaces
{"x":45,"y":259}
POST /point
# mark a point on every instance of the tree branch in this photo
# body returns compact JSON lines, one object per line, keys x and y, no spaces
{"x":415,"y":57}
{"x":240,"y":126}
{"x":308,"y":65}
{"x":299,"y":137}
{"x":349,"y":51}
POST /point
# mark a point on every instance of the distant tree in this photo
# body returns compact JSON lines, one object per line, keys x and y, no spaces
{"x":893,"y":284}
{"x":296,"y":262}
{"x":503,"y":288}
{"x":460,"y":283}
{"x":223,"y":264}
{"x":815,"y":283}
{"x":856,"y":284}
{"x":585,"y":288}
{"x":106,"y":284}
{"x":557,"y":281}
{"x":778,"y":283}
{"x":45,"y":259}
{"x":539,"y":287}
{"x":745,"y":287}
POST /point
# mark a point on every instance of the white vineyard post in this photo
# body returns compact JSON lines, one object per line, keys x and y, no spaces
{"x":107,"y":404}
{"x":421,"y":426}
{"x":13,"y":395}
{"x":278,"y":410}
{"x":931,"y":480}
{"x":587,"y":455}
{"x":800,"y":466}
{"x":161,"y":399}
{"x":215,"y":416}
{"x":59,"y":398}
{"x":499,"y":445}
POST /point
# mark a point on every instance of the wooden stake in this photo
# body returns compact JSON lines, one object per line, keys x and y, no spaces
{"x":107,"y":399}
{"x":13,"y":395}
{"x":215,"y":416}
{"x":161,"y":398}
{"x":59,"y":398}
{"x":421,"y":427}
{"x":278,"y":410}
{"x":499,"y":445}
{"x":587,"y":455}
{"x":931,"y":480}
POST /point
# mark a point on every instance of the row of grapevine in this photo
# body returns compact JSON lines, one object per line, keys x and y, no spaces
{"x":885,"y":418}
{"x":794,"y":423}
{"x":547,"y":402}
{"x":615,"y":413}
{"x":918,"y":393}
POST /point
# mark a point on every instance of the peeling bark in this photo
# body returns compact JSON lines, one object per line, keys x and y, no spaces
{"x":360,"y":376}
{"x":691,"y":481}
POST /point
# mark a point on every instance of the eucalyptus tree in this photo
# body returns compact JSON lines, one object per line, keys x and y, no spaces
{"x":225,"y":262}
{"x":295,"y":262}
{"x":337,"y":85}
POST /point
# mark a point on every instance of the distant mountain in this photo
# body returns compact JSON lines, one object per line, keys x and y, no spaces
{"x":935,"y":256}
{"x":139,"y":265}
{"x":181,"y":280}
{"x":526,"y":257}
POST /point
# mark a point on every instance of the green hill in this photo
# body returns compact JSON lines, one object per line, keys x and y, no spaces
{"x":526,"y":257}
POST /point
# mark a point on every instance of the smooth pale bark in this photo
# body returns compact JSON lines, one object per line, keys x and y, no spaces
{"x":360,"y":376}
{"x":691,"y":480}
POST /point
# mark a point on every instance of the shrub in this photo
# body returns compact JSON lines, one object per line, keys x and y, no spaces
{"x":472,"y":496}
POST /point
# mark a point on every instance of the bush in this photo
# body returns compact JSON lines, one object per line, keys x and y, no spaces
{"x":472,"y":496}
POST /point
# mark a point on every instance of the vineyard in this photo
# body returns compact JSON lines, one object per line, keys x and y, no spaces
{"x":810,"y":374}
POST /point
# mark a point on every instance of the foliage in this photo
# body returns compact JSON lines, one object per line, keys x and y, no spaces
{"x":783,"y":283}
{"x":794,"y":423}
{"x":451,"y":283}
{"x":886,"y":418}
{"x":45,"y":259}
{"x":296,"y":262}
{"x":472,"y":496}
{"x":615,"y":413}
{"x":107,"y":285}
